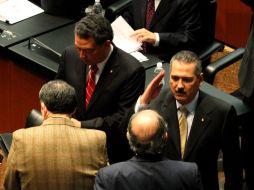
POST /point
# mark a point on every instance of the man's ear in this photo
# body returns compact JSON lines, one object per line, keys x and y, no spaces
{"x":165,"y":136}
{"x":201,"y":77}
{"x":128,"y":135}
{"x":44,"y":111}
{"x":107,"y":43}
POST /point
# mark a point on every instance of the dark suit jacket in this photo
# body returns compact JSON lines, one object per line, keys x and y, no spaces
{"x":177,"y":22}
{"x":214,"y":127}
{"x":148,"y":174}
{"x":246,"y":75}
{"x":120,"y":84}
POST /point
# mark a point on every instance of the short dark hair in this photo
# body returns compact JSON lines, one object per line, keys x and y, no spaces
{"x":188,"y":57}
{"x":95,"y":26}
{"x":58,"y":97}
{"x":157,"y":142}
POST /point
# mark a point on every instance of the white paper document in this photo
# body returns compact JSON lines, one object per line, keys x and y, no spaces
{"x":122,"y":31}
{"x":12,"y":11}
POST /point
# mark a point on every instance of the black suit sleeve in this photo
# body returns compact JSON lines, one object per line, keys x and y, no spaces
{"x":231,"y":152}
{"x":128,"y":97}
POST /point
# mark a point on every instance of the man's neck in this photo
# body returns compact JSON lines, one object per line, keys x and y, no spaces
{"x":53,"y":115}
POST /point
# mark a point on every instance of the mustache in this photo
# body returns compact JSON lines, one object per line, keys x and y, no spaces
{"x":180,"y":91}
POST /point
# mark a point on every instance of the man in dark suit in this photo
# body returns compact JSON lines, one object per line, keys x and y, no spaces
{"x":148,"y":169}
{"x":120,"y":79}
{"x":211,"y":124}
{"x":175,"y":25}
{"x":56,"y":154}
{"x":246,"y":83}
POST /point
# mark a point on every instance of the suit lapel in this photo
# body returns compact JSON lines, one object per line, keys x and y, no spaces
{"x":163,"y":8}
{"x":106,"y":77}
{"x":81,"y":84}
{"x":143,"y":12}
{"x":199,"y":126}
{"x":170,"y":115}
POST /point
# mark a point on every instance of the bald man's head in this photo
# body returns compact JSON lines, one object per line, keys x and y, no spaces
{"x":147,"y":132}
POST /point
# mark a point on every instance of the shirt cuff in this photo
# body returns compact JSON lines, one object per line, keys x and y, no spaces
{"x":139,"y":106}
{"x":157,"y":40}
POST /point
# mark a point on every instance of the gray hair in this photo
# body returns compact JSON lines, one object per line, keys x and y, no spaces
{"x":188,"y":57}
{"x":58,"y":97}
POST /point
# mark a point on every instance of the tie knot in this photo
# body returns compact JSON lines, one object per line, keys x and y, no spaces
{"x":94,"y":68}
{"x":183,"y":110}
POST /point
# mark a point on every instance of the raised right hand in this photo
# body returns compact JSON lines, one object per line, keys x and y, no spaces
{"x":153,"y":89}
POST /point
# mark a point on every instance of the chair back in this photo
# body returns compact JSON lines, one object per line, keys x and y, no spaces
{"x":5,"y":143}
{"x":116,"y":9}
{"x":34,"y":118}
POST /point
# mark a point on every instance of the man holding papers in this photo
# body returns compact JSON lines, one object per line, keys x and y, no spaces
{"x":165,"y":26}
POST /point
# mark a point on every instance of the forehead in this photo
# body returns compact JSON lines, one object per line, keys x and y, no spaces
{"x":182,"y":68}
{"x":84,"y":42}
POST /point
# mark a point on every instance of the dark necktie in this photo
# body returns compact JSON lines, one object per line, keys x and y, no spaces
{"x":150,"y":9}
{"x":90,"y":83}
{"x":183,"y":128}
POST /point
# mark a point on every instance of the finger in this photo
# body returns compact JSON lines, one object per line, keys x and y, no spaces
{"x":158,"y":78}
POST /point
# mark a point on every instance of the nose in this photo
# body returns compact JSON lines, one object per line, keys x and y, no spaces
{"x":180,"y":84}
{"x":82,"y":54}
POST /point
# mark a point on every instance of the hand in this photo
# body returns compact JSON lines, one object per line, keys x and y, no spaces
{"x":76,"y":123}
{"x":153,"y":89}
{"x":144,"y":35}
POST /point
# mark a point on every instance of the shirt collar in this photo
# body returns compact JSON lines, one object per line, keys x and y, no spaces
{"x":190,"y":106}
{"x":102,"y":64}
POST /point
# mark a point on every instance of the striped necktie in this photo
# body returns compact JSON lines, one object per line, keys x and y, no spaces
{"x":150,"y":9}
{"x":90,"y":86}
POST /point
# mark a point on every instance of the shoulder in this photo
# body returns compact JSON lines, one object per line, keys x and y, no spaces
{"x":70,"y":50}
{"x":94,"y":132}
{"x":125,"y":59}
{"x":183,"y":168}
{"x":91,"y":134}
{"x":184,"y":165}
{"x":212,"y":102}
{"x":116,"y":169}
{"x":25,"y":135}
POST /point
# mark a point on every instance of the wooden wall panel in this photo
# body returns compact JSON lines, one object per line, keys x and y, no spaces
{"x":233,"y":22}
{"x":19,"y":93}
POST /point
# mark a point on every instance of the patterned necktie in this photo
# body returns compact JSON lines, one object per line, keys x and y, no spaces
{"x":150,"y":9}
{"x":183,"y":128}
{"x":90,"y":83}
